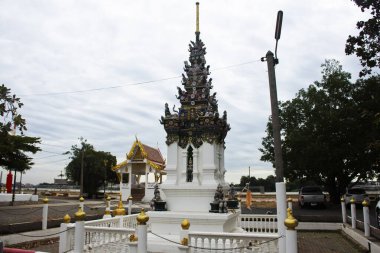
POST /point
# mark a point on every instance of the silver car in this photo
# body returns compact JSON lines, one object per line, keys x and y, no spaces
{"x":358,"y":194}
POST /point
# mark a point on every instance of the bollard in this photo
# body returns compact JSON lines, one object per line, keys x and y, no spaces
{"x":63,"y":240}
{"x":142,"y":219}
{"x":45,"y":213}
{"x":107,"y":213}
{"x":79,"y":231}
{"x":290,"y":203}
{"x":133,"y":243}
{"x":291,"y":233}
{"x":81,"y":202}
{"x":184,"y":233}
{"x":353,"y":213}
{"x":281,"y":214}
{"x":344,"y":210}
{"x":366,"y":218}
{"x":130,"y":204}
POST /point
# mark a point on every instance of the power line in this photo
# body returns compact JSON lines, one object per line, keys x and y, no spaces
{"x":130,"y":84}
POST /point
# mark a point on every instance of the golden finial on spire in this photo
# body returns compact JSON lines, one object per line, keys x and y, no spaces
{"x":197,"y":20}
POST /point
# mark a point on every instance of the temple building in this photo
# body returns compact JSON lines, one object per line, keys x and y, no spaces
{"x":195,"y":137}
{"x":142,"y":160}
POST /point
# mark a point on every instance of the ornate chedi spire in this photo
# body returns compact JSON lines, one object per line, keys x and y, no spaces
{"x":197,"y":120}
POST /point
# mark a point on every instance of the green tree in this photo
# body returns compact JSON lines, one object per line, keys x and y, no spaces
{"x":14,"y":148}
{"x":329,"y":131}
{"x":366,"y":45}
{"x":96,"y":167}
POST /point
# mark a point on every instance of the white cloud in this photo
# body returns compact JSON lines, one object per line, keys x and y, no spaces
{"x":63,"y":46}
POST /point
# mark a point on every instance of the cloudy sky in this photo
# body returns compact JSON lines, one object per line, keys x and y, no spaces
{"x":104,"y":69}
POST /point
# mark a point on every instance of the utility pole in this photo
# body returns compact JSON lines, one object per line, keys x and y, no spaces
{"x":81,"y":173}
{"x":280,"y":185}
{"x":275,"y":117}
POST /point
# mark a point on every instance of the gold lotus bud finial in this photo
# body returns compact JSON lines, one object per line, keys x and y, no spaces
{"x":197,"y":18}
{"x":130,"y":197}
{"x":80,"y":215}
{"x":365,"y":203}
{"x":120,"y":210}
{"x":142,"y":218}
{"x":66,"y":218}
{"x":133,"y":238}
{"x":352,"y":200}
{"x":185,"y":241}
{"x":45,"y":200}
{"x":342,"y":199}
{"x":289,"y":200}
{"x":185,"y":224}
{"x":81,"y":199}
{"x":108,"y":198}
{"x":290,"y":222}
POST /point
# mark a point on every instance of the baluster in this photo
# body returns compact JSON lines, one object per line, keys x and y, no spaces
{"x":223,"y":243}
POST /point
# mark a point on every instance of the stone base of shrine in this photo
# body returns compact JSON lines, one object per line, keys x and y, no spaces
{"x":7,"y":197}
{"x":189,"y":197}
{"x":169,"y":223}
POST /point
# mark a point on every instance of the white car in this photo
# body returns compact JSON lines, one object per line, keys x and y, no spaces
{"x":358,"y":194}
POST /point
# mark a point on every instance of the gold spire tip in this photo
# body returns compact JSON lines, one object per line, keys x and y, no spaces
{"x":197,"y":19}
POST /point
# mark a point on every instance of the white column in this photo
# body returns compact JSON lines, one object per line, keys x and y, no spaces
{"x":353,"y":213}
{"x":196,"y":171}
{"x":133,"y":247}
{"x":291,"y":233}
{"x":142,"y":237}
{"x":130,"y":181}
{"x":184,"y":232}
{"x":183,"y":170}
{"x":107,"y":213}
{"x":79,"y":233}
{"x":45,"y":213}
{"x":366,"y":218}
{"x":81,"y":202}
{"x":290,"y":203}
{"x":130,"y":204}
{"x":63,"y":240}
{"x":281,"y":214}
{"x":344,"y":210}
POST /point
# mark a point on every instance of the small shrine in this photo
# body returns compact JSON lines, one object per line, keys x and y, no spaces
{"x":195,"y":137}
{"x":142,"y":160}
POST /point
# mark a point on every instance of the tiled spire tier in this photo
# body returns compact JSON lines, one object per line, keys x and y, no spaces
{"x":197,"y":120}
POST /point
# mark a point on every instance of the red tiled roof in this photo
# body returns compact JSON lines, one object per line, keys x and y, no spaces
{"x":153,"y":154}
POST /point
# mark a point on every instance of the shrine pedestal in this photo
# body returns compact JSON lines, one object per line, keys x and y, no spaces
{"x":169,"y":223}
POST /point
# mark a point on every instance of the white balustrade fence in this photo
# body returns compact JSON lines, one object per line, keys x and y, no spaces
{"x":202,"y":242}
{"x":129,"y":221}
{"x":258,"y":223}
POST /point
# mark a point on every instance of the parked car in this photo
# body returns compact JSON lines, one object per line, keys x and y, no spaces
{"x":312,"y":196}
{"x":378,"y":213}
{"x":359,"y":195}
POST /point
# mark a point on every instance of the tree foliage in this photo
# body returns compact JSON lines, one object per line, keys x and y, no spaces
{"x":330,"y":131}
{"x":366,"y":45}
{"x":96,"y":167}
{"x":13,"y":148}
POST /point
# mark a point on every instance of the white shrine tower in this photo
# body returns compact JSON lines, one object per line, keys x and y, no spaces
{"x":195,"y":138}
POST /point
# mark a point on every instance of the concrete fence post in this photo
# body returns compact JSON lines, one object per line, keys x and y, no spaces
{"x":290,"y":203}
{"x":344,"y":210}
{"x":353,"y":213}
{"x":184,"y":233}
{"x":281,"y":214}
{"x":45,"y":213}
{"x":79,"y":235}
{"x":63,"y":240}
{"x":130,"y":204}
{"x":81,"y":202}
{"x":291,"y":233}
{"x":142,"y":244}
{"x":107,"y":212}
{"x":366,"y":218}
